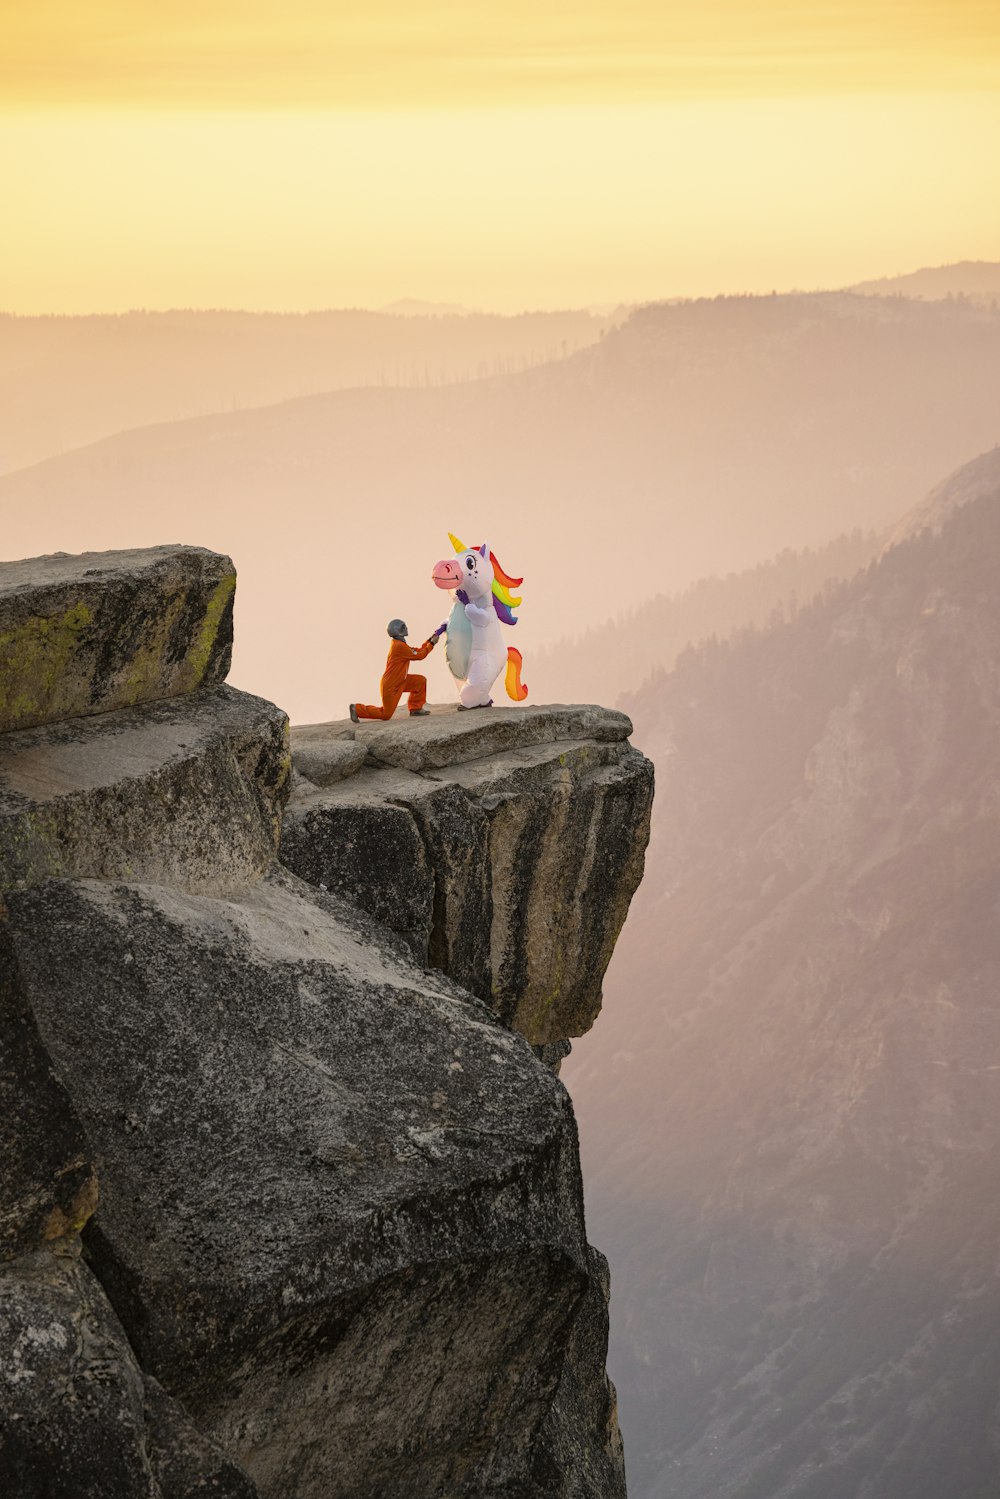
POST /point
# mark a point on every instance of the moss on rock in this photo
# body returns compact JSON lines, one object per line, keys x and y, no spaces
{"x":106,"y":630}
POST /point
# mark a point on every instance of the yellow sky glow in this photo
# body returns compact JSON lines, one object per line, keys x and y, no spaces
{"x":257,"y":54}
{"x":536,"y":154}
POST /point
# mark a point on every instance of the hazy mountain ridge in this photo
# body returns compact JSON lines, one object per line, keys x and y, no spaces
{"x":694,"y":439}
{"x":69,"y":381}
{"x":797,"y":1202}
{"x":977,"y":279}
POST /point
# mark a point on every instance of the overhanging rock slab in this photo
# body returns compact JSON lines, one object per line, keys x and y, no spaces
{"x":104,"y":630}
{"x":504,"y":845}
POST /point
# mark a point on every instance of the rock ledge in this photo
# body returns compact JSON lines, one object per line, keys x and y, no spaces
{"x":503,"y":845}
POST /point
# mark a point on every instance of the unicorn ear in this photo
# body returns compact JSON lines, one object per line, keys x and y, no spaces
{"x":484,"y":550}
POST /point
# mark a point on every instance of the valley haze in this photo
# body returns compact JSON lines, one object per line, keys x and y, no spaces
{"x":767,"y":526}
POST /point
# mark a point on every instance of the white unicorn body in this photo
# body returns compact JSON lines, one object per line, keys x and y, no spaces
{"x":475,"y":649}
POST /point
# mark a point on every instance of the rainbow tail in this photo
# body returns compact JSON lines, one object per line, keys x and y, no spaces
{"x":515,"y":687}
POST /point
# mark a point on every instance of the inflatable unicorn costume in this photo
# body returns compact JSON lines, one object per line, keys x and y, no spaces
{"x":483,"y":600}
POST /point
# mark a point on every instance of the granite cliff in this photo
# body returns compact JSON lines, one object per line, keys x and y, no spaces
{"x":290,"y":1199}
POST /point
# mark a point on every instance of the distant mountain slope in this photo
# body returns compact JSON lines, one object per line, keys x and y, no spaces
{"x":67,"y":381}
{"x":971,"y":482}
{"x":978,"y":279}
{"x":695,"y":439}
{"x":793,"y":1164}
{"x":615,"y":657}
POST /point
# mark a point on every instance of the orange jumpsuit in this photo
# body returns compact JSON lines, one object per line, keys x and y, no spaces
{"x":397,"y":679}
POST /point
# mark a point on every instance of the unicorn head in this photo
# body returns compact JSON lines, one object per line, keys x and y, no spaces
{"x":475,"y":573}
{"x":468,"y":572}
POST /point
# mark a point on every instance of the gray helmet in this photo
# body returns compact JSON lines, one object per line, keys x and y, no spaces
{"x":397,"y":629}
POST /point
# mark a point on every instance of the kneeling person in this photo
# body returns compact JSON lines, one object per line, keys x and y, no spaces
{"x":397,"y":677}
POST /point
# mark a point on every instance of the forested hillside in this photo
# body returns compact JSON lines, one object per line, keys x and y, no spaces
{"x":793,"y":1162}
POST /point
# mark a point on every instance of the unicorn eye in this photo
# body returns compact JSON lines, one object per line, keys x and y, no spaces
{"x":470,"y":564}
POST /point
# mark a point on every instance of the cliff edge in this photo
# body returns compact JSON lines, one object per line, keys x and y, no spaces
{"x":290,"y":1202}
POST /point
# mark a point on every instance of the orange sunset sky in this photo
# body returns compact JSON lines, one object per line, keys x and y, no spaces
{"x":307,"y":154}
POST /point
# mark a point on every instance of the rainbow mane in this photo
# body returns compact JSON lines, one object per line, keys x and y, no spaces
{"x":504,"y":601}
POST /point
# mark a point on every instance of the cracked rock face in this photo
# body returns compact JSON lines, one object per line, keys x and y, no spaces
{"x":509,"y":862}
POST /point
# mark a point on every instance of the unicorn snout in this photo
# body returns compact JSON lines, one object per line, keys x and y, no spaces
{"x":447,"y":574}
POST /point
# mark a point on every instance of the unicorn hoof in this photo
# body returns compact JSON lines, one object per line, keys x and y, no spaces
{"x":471,"y":707}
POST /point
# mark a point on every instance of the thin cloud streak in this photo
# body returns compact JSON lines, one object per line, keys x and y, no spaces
{"x":251,"y":55}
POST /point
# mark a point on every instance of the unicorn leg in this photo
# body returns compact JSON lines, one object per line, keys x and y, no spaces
{"x":476,"y":691}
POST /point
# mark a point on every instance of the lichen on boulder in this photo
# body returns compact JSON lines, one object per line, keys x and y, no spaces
{"x":86,"y":634}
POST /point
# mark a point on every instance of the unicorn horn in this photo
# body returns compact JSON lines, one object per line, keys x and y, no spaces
{"x":458,"y":545}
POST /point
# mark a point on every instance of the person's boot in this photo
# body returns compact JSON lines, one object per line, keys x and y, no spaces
{"x":420,"y":712}
{"x":352,"y":709}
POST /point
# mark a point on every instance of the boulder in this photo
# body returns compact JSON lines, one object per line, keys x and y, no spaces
{"x":77,"y":1416}
{"x":508,"y":861}
{"x":323,"y":759}
{"x":340,"y":1215}
{"x":188,"y":790}
{"x":71,"y":1394}
{"x":105,"y":630}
